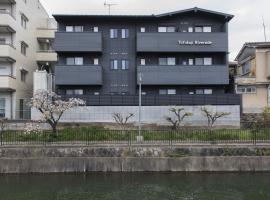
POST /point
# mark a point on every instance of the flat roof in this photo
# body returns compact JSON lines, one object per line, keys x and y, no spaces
{"x":227,"y":17}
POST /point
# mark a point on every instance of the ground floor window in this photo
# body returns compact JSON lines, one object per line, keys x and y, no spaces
{"x":2,"y":107}
{"x":167,"y":91}
{"x":246,"y":89}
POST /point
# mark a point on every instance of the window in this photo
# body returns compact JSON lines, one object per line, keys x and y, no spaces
{"x":78,"y":28}
{"x":23,"y":75}
{"x":171,"y":91}
{"x":24,"y":21}
{"x":95,"y":29}
{"x":114,"y":64}
{"x":2,"y":40}
{"x":113,"y":33}
{"x":208,"y":91}
{"x":74,"y":92}
{"x":207,"y":29}
{"x":190,"y":61}
{"x":69,"y":28}
{"x":167,"y":91}
{"x":21,"y":106}
{"x":79,"y":61}
{"x":24,"y":48}
{"x":198,"y":29}
{"x":2,"y":107}
{"x":74,"y":61}
{"x":246,"y":89}
{"x":199,"y":91}
{"x":96,"y":61}
{"x":143,"y":61}
{"x":96,"y":93}
{"x":124,"y":33}
{"x":125,"y":64}
{"x":144,"y":93}
{"x":142,"y":29}
{"x":207,"y":61}
{"x":198,"y":61}
{"x":190,"y":29}
{"x":164,"y":29}
{"x":167,"y":61}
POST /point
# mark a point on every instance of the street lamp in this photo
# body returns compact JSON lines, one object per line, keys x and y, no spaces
{"x":140,"y":137}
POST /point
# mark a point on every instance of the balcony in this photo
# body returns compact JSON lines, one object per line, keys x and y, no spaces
{"x":7,"y":23}
{"x":44,"y":33}
{"x":182,"y":42}
{"x":184,"y":75}
{"x":78,"y":42}
{"x":46,"y":56}
{"x":7,"y":83}
{"x":78,"y":75}
{"x":241,"y":80}
{"x":8,"y":52}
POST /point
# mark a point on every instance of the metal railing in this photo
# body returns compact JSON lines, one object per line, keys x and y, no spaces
{"x":158,"y":100}
{"x":92,"y":136}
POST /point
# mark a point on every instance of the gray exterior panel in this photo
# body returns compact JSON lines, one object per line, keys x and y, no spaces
{"x":78,"y":75}
{"x":169,"y":42}
{"x":184,"y":75}
{"x":78,"y":42}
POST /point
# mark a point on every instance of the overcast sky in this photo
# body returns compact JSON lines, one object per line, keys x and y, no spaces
{"x":246,"y":26}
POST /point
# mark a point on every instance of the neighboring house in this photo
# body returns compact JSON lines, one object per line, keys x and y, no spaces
{"x":22,"y":36}
{"x":254,"y":73}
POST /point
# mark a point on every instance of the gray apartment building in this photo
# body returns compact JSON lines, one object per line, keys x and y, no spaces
{"x":181,"y":58}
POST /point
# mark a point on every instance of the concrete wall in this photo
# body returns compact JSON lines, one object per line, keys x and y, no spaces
{"x":150,"y":114}
{"x":89,"y":159}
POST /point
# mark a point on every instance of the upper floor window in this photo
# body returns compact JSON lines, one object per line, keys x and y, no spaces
{"x":142,"y":29}
{"x":113,"y":33}
{"x":2,"y":107}
{"x":23,"y":75}
{"x":167,"y":92}
{"x":143,"y":62}
{"x":24,"y":21}
{"x":74,"y":28}
{"x":190,"y":29}
{"x":246,"y":89}
{"x":167,"y":61}
{"x":95,"y":29}
{"x":164,"y":29}
{"x":2,"y":40}
{"x":114,"y":64}
{"x":124,"y":33}
{"x":202,"y":91}
{"x":125,"y":64}
{"x":74,"y":61}
{"x":24,"y":47}
{"x":205,"y":29}
{"x":74,"y":92}
{"x":96,"y":61}
{"x":203,"y":61}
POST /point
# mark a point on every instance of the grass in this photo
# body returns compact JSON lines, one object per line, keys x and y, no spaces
{"x":92,"y":134}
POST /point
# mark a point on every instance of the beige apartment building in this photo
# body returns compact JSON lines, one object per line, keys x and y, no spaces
{"x":253,"y":81}
{"x":26,"y":35}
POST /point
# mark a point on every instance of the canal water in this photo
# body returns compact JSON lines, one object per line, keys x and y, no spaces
{"x":137,"y":186}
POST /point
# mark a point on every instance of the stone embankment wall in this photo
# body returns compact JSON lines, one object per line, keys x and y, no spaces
{"x":125,"y":159}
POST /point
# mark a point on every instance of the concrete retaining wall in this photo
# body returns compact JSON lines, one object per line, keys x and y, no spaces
{"x":150,"y":114}
{"x":124,"y":159}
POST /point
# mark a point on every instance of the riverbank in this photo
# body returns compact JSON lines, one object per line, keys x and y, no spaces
{"x":41,"y":159}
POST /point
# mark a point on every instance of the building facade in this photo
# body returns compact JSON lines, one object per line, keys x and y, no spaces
{"x":253,"y":76}
{"x":177,"y":53}
{"x":26,"y":33}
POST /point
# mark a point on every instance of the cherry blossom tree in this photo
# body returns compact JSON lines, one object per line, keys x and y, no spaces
{"x":52,"y":107}
{"x":179,"y":116}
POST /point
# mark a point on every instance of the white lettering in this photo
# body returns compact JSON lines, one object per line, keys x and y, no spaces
{"x":195,"y":42}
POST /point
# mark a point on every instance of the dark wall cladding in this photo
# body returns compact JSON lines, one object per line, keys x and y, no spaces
{"x":78,"y":75}
{"x":184,"y":75}
{"x":182,"y":42}
{"x":78,"y":42}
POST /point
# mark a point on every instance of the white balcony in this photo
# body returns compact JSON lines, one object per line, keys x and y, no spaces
{"x":44,"y":33}
{"x":7,"y":22}
{"x":245,"y":80}
{"x":8,"y":52}
{"x":46,"y":56}
{"x":7,"y":83}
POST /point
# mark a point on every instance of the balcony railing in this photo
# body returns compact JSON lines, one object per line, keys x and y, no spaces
{"x":8,"y":21}
{"x":78,"y":42}
{"x":46,"y":33}
{"x":184,"y":75}
{"x":182,"y":42}
{"x":7,"y":82}
{"x":159,"y":100}
{"x":8,"y":51}
{"x":46,"y":56}
{"x":78,"y":75}
{"x":241,"y":80}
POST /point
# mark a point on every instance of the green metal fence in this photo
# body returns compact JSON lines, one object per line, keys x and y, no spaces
{"x":87,"y":136}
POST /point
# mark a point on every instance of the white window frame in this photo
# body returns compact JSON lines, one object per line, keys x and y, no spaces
{"x":207,"y":29}
{"x":190,"y":61}
{"x":96,"y":61}
{"x":78,"y":60}
{"x":3,"y":108}
{"x":171,"y":91}
{"x":69,"y":28}
{"x":95,"y":29}
{"x":198,"y":29}
{"x":171,"y":61}
{"x":190,"y":29}
{"x":70,"y":59}
{"x":162,"y":29}
{"x":143,"y":62}
{"x":208,"y":61}
{"x":124,"y":33}
{"x":113,"y":33}
{"x":142,"y":29}
{"x":245,"y":89}
{"x":78,"y":92}
{"x":124,"y":64}
{"x":208,"y":91}
{"x":78,"y":29}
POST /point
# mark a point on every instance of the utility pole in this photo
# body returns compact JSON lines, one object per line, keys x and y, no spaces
{"x":109,"y":5}
{"x":139,"y":139}
{"x":264,"y":30}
